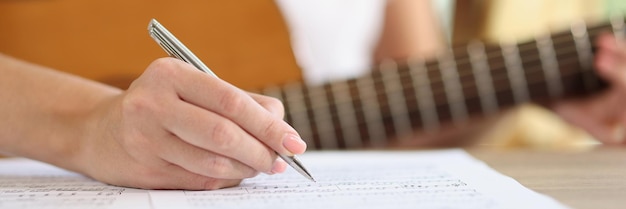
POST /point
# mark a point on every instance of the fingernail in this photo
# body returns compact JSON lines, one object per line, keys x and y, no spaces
{"x":279,"y":166}
{"x":294,"y":144}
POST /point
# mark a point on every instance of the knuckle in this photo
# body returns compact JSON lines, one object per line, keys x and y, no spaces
{"x":269,"y":131}
{"x":162,"y":64}
{"x":133,"y":105}
{"x":231,"y":102}
{"x":163,"y":69}
{"x":222,"y":136}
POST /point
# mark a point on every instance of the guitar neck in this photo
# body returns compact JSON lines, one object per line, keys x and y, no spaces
{"x":473,"y":79}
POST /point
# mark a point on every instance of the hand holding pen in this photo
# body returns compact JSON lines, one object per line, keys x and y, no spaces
{"x":177,"y":49}
{"x":178,"y":128}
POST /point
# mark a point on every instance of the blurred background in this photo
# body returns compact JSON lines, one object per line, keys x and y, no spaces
{"x":245,"y":42}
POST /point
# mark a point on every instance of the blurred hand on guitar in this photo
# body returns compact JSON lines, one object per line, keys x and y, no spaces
{"x":603,"y":115}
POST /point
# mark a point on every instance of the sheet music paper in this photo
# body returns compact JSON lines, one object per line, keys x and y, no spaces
{"x":31,"y":184}
{"x":368,"y":179}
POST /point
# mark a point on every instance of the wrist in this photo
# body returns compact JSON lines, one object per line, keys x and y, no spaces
{"x":94,"y":136}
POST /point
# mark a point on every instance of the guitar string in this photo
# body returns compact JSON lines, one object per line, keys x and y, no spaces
{"x":462,"y":63}
{"x":498,"y":76}
{"x":493,"y":70}
{"x":360,"y":110}
{"x":531,"y":81}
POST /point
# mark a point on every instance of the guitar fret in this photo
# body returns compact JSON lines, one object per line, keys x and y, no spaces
{"x":371,"y":111}
{"x":515,"y":72}
{"x":322,"y":118}
{"x":484,"y":81}
{"x":396,"y":99}
{"x":453,"y":89}
{"x":346,"y":114}
{"x":550,"y":65}
{"x":298,"y":113}
{"x":424,"y":96}
{"x":585,"y":55}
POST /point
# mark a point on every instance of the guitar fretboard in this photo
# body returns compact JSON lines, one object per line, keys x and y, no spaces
{"x":473,"y":79}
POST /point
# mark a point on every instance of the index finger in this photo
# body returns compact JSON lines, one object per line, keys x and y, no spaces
{"x":218,"y":96}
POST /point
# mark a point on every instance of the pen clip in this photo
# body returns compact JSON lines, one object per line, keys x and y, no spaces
{"x":174,"y":47}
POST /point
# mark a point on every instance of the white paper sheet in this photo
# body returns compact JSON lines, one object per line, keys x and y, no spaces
{"x":424,"y":179}
{"x":31,"y":184}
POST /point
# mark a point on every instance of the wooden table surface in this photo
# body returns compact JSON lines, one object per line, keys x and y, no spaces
{"x":591,"y":179}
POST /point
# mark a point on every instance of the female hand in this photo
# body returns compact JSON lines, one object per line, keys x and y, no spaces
{"x":178,"y":128}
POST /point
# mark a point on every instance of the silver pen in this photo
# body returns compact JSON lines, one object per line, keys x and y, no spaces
{"x":176,"y":49}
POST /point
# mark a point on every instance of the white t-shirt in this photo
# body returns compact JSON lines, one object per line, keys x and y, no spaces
{"x":333,"y":39}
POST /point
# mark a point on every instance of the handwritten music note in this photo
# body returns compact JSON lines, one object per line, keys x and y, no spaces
{"x":427,"y":179}
{"x":30,"y":184}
